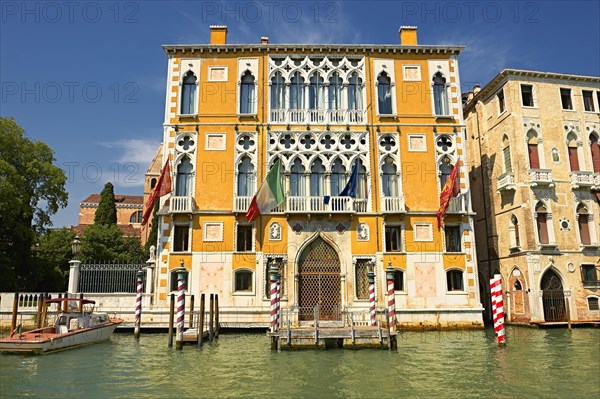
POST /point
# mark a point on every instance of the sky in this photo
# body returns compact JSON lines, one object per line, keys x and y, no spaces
{"x":89,"y":77}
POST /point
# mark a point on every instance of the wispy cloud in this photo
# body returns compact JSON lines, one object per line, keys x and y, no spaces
{"x":284,"y":22}
{"x":134,"y":157}
{"x":484,"y":56}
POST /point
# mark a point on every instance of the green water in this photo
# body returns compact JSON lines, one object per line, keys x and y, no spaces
{"x":535,"y":364}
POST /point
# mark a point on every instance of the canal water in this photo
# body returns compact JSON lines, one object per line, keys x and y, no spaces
{"x":536,"y":363}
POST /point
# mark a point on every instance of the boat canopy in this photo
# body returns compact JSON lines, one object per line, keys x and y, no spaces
{"x":82,"y":300}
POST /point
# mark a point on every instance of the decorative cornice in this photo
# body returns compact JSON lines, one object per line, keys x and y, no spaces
{"x":171,"y":49}
{"x":510,"y":74}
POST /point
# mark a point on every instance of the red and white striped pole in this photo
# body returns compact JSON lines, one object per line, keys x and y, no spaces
{"x":274,"y":282}
{"x":371,"y":278}
{"x":181,"y":277}
{"x":498,"y":307}
{"x":138,"y":303}
{"x":389,"y":274}
{"x":278,"y":319}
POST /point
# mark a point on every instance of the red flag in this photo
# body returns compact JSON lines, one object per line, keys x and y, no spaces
{"x":451,"y":189}
{"x":163,"y":187}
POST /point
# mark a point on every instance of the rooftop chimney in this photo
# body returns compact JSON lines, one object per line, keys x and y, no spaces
{"x":218,"y":34}
{"x":264,"y":40}
{"x":408,"y":35}
{"x":476,"y":89}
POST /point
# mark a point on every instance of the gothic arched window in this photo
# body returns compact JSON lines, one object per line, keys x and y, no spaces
{"x":188,"y":94}
{"x":247,"y":94}
{"x":440,"y":95}
{"x":183,"y":182}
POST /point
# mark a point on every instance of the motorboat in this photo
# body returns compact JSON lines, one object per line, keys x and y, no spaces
{"x":76,"y":325}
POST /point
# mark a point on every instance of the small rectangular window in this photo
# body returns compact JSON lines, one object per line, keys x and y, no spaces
{"x":454,"y":279}
{"x":501,"y":103}
{"x":244,"y":238}
{"x":181,"y":238}
{"x":588,"y":101}
{"x":453,"y":238}
{"x":243,"y":281}
{"x":589,"y":274}
{"x":527,"y":95}
{"x":398,"y":280}
{"x":393,"y":239}
{"x":565,"y":99}
{"x":593,"y":303}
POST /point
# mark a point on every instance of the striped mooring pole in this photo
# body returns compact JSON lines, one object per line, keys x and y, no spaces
{"x":138,"y":303}
{"x":498,"y":307}
{"x":274,"y":281}
{"x":181,"y":275}
{"x":371,"y":278}
{"x":389,"y":275}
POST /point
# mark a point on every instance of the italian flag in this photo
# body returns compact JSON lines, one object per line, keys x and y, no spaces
{"x":269,"y":195}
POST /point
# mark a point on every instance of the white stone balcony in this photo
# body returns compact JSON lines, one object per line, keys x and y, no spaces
{"x":583,"y":179}
{"x":506,"y":182}
{"x":392,"y":204}
{"x":457,"y":204}
{"x":318,"y":205}
{"x":318,"y":116}
{"x":241,"y":204}
{"x":540,"y":177}
{"x":181,"y":205}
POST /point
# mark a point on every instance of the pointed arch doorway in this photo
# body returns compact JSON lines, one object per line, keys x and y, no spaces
{"x":553,"y":297}
{"x":319,"y":281}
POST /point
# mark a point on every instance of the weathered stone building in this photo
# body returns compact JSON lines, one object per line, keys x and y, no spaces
{"x":532,"y":140}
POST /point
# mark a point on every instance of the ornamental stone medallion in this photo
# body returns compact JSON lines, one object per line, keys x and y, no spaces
{"x":362,"y":232}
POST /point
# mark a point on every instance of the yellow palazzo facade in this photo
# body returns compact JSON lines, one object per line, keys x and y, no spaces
{"x":393,"y":110}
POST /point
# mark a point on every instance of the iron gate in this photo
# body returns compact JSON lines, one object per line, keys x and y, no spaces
{"x":319,"y":282}
{"x":553,"y":298}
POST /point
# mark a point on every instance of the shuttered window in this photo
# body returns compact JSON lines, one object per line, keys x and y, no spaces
{"x":534,"y":160}
{"x":584,"y":229}
{"x":507,"y":160}
{"x":542,"y":228}
{"x":595,"y":149}
{"x":573,"y":159}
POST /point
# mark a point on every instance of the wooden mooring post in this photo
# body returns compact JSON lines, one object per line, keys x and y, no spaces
{"x":44,"y":309}
{"x":201,"y":321}
{"x":66,"y":303}
{"x":81,"y":303}
{"x":171,"y":317}
{"x":191,"y":311}
{"x":211,"y":332}
{"x":568,"y":313}
{"x":38,"y":315}
{"x":216,"y":315}
{"x":13,"y":320}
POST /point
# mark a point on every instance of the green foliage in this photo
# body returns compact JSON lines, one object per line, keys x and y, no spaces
{"x":106,"y":214}
{"x":106,"y":243}
{"x":153,"y":236}
{"x":54,"y":247}
{"x":32,"y":189}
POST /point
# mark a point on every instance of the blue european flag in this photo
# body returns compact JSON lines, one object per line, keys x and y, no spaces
{"x":350,"y":189}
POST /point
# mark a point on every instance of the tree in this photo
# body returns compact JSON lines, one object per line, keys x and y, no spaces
{"x":55,"y":248}
{"x":32,"y":189}
{"x":106,"y":243}
{"x":107,"y":210}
